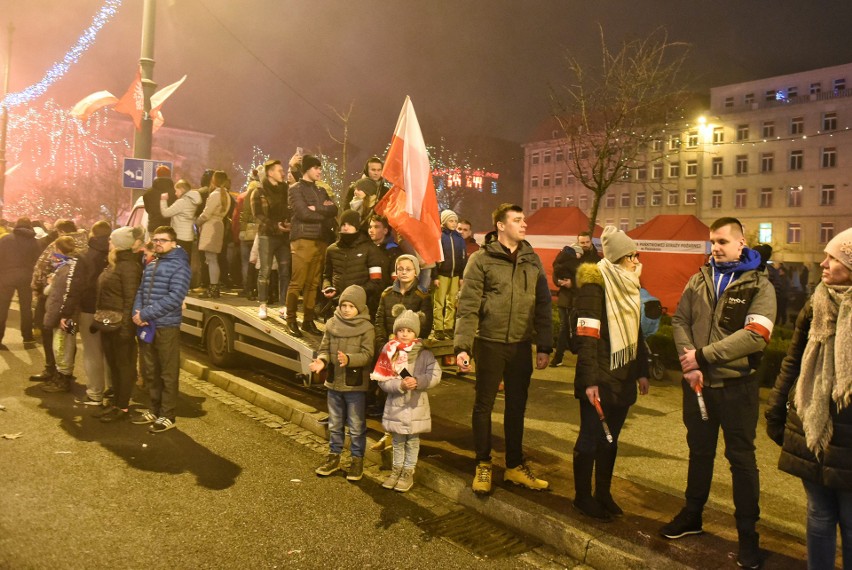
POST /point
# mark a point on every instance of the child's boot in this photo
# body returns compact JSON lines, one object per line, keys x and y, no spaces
{"x":392,"y":479}
{"x":329,"y":466}
{"x":406,"y":480}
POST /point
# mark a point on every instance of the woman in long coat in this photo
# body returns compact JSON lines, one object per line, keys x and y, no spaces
{"x":212,"y":236}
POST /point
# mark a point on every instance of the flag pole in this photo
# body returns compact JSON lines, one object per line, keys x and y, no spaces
{"x":142,"y":140}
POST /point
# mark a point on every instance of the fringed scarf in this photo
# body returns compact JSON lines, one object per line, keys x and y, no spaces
{"x":826,"y":371}
{"x":621,"y":288}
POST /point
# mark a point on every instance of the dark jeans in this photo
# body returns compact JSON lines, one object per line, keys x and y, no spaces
{"x":120,"y":353}
{"x":46,"y":334}
{"x":734,"y":408}
{"x":826,"y":509}
{"x":187,"y":247}
{"x":511,"y":364}
{"x":249,"y":271}
{"x":25,"y":301}
{"x":269,"y":246}
{"x":162,"y":368}
{"x":592,"y":435}
{"x":562,"y":340}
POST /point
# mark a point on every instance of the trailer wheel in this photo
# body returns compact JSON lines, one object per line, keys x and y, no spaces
{"x":219,"y":339}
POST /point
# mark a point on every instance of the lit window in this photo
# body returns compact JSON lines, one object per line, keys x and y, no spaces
{"x":794,"y":233}
{"x":764,"y":232}
{"x":826,"y":195}
{"x":794,"y":196}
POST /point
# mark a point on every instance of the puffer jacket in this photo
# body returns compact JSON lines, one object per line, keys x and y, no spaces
{"x":413,"y":299}
{"x":151,"y":199}
{"x":270,"y":205}
{"x":211,"y":236}
{"x":729,"y":335}
{"x":19,"y":251}
{"x":307,"y":223}
{"x":407,"y":411}
{"x":65,"y":291}
{"x":164,"y":285}
{"x":359,"y":349}
{"x":44,"y":265}
{"x":181,"y":214}
{"x":455,"y":254}
{"x":784,"y":426}
{"x":617,"y":387}
{"x":354,"y":261}
{"x":117,"y":287}
{"x":504,"y":301}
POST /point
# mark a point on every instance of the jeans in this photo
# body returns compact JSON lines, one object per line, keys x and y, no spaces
{"x":406,"y":447}
{"x":94,"y":362}
{"x":121,"y":353}
{"x":347,"y":408}
{"x":424,"y":281}
{"x":511,"y":364}
{"x":734,"y":408}
{"x":592,"y":436}
{"x":269,"y":246}
{"x":162,"y":368}
{"x":562,"y":340}
{"x":826,"y":509}
{"x":46,"y":334}
{"x":249,"y":273}
{"x":25,"y":302}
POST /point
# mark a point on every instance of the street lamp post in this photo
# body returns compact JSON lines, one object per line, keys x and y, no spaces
{"x":142,"y":140}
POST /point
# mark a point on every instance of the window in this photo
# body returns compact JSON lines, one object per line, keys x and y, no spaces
{"x":797,"y":125}
{"x":692,"y":139}
{"x":826,"y":232}
{"x":691,"y":167}
{"x":718,"y":135}
{"x":560,"y":155}
{"x":689,"y":196}
{"x":545,"y":202}
{"x":792,"y":92}
{"x":557,"y":179}
{"x":765,"y":198}
{"x":716,"y":199}
{"x":533,"y":204}
{"x":534,"y":182}
{"x":557,"y":202}
{"x":764,"y":232}
{"x":796,"y":159}
{"x":657,"y":171}
{"x":729,"y":102}
{"x":742,"y":164}
{"x":657,"y":198}
{"x":794,"y":196}
{"x":740,"y":197}
{"x":826,"y":195}
{"x":768,"y":129}
{"x":829,"y":121}
{"x":829,"y":157}
{"x":794,"y":233}
{"x":657,"y":145}
{"x":748,"y":99}
{"x":534,"y":158}
{"x":584,"y":202}
{"x":673,"y":198}
{"x":570,"y":179}
{"x":674,"y":169}
{"x":547,"y":156}
{"x":610,"y":201}
{"x":742,"y":132}
{"x":767,"y":161}
{"x":625,"y":200}
{"x":545,"y":180}
{"x":718,"y":166}
{"x":816,"y":88}
{"x":640,"y":199}
{"x":642,"y":173}
{"x":770,"y":95}
{"x":674,"y":142}
{"x":569,"y":200}
{"x":840,"y":84}
{"x":624,"y":224}
{"x":639,"y":222}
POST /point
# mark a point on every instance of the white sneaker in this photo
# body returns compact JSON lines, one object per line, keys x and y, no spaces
{"x":261,"y":312}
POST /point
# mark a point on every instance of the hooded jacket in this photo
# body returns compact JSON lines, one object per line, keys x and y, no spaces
{"x":117,"y":287}
{"x":181,"y":214}
{"x":165,"y":283}
{"x":65,"y":291}
{"x":19,"y":251}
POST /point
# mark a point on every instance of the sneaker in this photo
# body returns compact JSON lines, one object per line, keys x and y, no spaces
{"x":87,"y":401}
{"x":356,"y":469}
{"x":684,"y":523}
{"x":482,"y":479}
{"x":390,"y":482}
{"x":406,"y":480}
{"x":523,"y":476}
{"x":145,"y":417}
{"x":162,"y":424}
{"x":329,"y":466}
{"x":282,"y":313}
{"x":556,"y":362}
{"x":261,"y":312}
{"x":113,"y":415}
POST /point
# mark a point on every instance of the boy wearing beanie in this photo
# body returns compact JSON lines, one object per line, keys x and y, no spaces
{"x":448,"y":276}
{"x":346,"y":351}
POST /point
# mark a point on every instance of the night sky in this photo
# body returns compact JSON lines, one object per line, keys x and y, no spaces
{"x":470,"y":67}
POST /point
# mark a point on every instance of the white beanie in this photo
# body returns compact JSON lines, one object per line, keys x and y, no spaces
{"x":840,"y":248}
{"x":616,"y":244}
{"x":446,"y":215}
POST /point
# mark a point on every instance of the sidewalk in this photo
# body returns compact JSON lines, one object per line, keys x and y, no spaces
{"x":648,"y":485}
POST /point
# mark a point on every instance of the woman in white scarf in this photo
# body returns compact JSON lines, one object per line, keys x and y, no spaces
{"x":809,"y":413}
{"x":611,"y":362}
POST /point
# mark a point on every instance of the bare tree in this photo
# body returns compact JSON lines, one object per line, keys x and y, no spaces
{"x":610,"y":115}
{"x":343,"y":141}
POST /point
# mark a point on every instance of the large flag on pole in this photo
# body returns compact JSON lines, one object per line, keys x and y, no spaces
{"x":133,"y":101}
{"x":411,"y":205}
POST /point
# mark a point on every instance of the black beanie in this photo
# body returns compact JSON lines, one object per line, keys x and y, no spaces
{"x":350,"y":217}
{"x":309,"y":161}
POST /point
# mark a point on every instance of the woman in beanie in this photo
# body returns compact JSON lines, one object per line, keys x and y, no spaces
{"x":405,"y":370}
{"x":809,"y":412}
{"x":117,"y":285}
{"x":611,"y":362}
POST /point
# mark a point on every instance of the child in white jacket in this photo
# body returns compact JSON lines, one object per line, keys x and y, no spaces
{"x":405,"y":370}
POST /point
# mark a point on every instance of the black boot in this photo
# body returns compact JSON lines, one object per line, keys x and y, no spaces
{"x":309,"y":326}
{"x":293,"y":325}
{"x":45,"y":375}
{"x":60,"y":383}
{"x":748,"y":553}
{"x":583,"y":500}
{"x":604,"y":464}
{"x":214,"y":292}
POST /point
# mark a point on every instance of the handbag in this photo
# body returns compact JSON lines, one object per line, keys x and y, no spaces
{"x":108,"y":321}
{"x":250,"y":231}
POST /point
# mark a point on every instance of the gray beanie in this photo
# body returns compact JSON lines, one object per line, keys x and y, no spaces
{"x":412,"y":259}
{"x":405,"y":318}
{"x":616,"y":244}
{"x":125,"y":237}
{"x":356,"y":295}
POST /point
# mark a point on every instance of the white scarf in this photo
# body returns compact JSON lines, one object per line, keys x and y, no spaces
{"x":621,"y":288}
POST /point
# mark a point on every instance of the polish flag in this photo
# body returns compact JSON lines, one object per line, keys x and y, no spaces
{"x":157,"y":100}
{"x":88,"y":105}
{"x":133,"y":101}
{"x":411,"y":205}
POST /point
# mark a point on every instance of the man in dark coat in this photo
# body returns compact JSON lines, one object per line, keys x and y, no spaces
{"x":19,"y":251}
{"x":162,"y":184}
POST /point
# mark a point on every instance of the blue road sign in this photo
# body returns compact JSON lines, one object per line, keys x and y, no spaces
{"x":138,"y":173}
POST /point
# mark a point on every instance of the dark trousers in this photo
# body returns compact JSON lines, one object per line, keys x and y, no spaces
{"x":734,"y":408}
{"x":511,"y":364}
{"x":162,"y":368}
{"x":592,"y":436}
{"x":120,"y":352}
{"x":46,"y":334}
{"x":562,"y":340}
{"x":25,"y":301}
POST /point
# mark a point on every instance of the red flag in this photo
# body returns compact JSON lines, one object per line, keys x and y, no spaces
{"x":411,"y":205}
{"x":133,"y":101}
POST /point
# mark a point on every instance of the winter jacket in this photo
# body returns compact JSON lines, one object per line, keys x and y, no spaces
{"x":164,"y":285}
{"x":151,"y":199}
{"x":181,"y":214}
{"x":354,"y":260}
{"x":359,"y":349}
{"x":212,"y":233}
{"x":270,"y":205}
{"x":65,"y":291}
{"x":504,"y":300}
{"x":44,"y":264}
{"x":390,"y":251}
{"x":95,"y":260}
{"x":784,"y":426}
{"x":407,"y":411}
{"x":19,"y":251}
{"x":307,"y":223}
{"x":117,"y":287}
{"x":730,"y":334}
{"x":471,"y":246}
{"x":616,"y":387}
{"x":565,"y":267}
{"x":413,"y":299}
{"x":455,"y":254}
{"x":243,"y":215}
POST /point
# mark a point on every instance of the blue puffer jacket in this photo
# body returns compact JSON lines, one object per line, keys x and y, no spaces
{"x":165,"y":283}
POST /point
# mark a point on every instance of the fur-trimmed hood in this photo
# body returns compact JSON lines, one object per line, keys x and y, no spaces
{"x":589,"y":273}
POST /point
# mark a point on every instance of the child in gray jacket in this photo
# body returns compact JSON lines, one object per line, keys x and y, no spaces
{"x":405,"y":370}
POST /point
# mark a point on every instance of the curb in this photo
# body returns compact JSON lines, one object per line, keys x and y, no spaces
{"x":583,"y":543}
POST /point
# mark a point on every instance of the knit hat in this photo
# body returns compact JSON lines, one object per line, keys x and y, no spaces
{"x":309,"y":161}
{"x":412,"y":259}
{"x":446,"y":215}
{"x":616,"y":243}
{"x":163,"y":171}
{"x":840,"y":248}
{"x":125,"y":237}
{"x":356,"y":295}
{"x":765,"y":252}
{"x":367,"y":186}
{"x":350,"y":217}
{"x":405,"y":318}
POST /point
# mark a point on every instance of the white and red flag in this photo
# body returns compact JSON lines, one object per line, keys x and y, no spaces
{"x":411,"y":205}
{"x":157,"y":100}
{"x":133,"y":101}
{"x":88,"y":105}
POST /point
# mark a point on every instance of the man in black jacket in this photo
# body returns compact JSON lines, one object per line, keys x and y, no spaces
{"x":269,"y":202}
{"x":19,"y":251}
{"x":163,"y":184}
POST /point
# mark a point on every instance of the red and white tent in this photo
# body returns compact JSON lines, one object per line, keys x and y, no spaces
{"x":551,"y":229}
